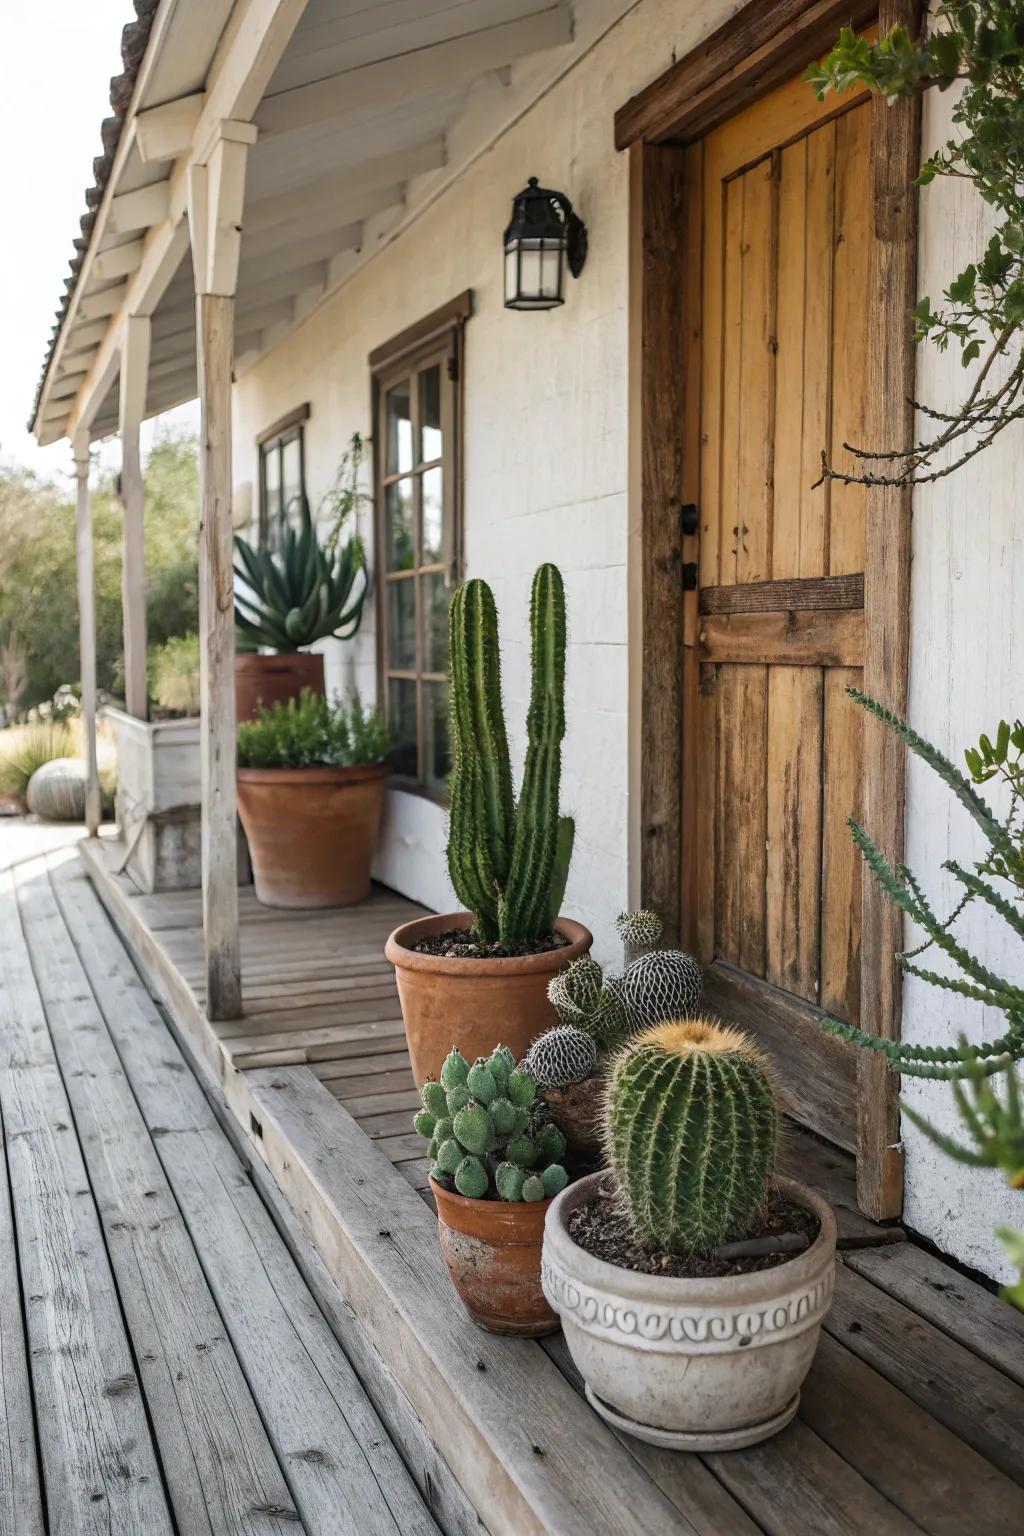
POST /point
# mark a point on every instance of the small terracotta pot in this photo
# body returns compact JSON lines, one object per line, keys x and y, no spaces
{"x":311,"y":832}
{"x":492,"y":1249}
{"x":474,"y":1004}
{"x":577,"y":1113}
{"x":263,"y":681}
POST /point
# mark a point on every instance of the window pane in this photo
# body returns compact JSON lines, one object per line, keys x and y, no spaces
{"x":434,"y":597}
{"x":402,"y":625}
{"x":436,"y":757}
{"x":399,"y":428}
{"x":430,"y":413}
{"x":402,"y":721}
{"x":272,"y":494}
{"x":291,"y":477}
{"x":433,"y":519}
{"x":399,"y":516}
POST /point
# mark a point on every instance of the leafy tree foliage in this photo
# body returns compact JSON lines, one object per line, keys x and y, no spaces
{"x":38,"y":604}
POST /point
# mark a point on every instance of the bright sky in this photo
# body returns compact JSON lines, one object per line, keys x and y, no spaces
{"x":58,"y":58}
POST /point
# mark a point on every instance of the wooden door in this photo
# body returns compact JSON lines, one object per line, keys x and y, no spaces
{"x":774,"y":631}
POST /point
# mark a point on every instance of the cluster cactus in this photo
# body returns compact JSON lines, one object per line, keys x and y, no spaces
{"x":583,"y":1000}
{"x":561,"y":1057}
{"x":691,"y":1127}
{"x":508,"y":860}
{"x":489,"y":1136}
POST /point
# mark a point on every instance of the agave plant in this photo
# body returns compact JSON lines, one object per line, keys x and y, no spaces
{"x":304,"y":593}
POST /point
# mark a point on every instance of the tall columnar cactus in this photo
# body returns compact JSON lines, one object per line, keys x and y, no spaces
{"x":480,"y":789}
{"x":691,"y":1128}
{"x":508,"y":862}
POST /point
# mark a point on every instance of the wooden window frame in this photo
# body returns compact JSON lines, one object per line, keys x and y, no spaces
{"x":763,"y":45}
{"x":286,"y":429}
{"x":436,"y":339}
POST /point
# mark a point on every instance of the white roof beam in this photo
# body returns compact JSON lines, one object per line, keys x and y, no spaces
{"x":320,"y":223}
{"x":250,"y":48}
{"x":413,"y":74}
{"x":119,"y":261}
{"x":163,"y":133}
{"x":100,"y":306}
{"x":139,"y":210}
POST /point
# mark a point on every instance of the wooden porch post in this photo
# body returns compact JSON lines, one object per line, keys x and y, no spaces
{"x":86,"y":628}
{"x":134,"y":378}
{"x":216,"y":194}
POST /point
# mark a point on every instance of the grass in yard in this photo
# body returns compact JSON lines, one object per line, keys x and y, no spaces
{"x":24,"y":748}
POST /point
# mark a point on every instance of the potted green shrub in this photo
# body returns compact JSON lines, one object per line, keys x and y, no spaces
{"x":691,"y":1285}
{"x":311,"y":780}
{"x":496,"y":1165}
{"x":287,"y":601}
{"x":480,"y":976}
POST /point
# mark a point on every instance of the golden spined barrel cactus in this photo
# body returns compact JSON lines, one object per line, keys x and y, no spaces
{"x":691,"y":1128}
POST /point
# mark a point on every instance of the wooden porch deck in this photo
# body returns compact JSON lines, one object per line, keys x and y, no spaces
{"x":912,"y":1419}
{"x":164,"y":1365}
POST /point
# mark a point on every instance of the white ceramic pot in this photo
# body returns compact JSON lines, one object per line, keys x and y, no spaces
{"x":699,"y":1365}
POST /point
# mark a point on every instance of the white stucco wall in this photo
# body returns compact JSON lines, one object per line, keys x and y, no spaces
{"x":545,"y":436}
{"x":966,"y":672}
{"x":545,"y":479}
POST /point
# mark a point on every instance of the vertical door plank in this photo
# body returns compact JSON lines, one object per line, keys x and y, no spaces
{"x":740,"y":816}
{"x":732,"y":360}
{"x":753,"y":519}
{"x":690,"y":492}
{"x":818,"y":359}
{"x":794,"y":828}
{"x":841,"y":862}
{"x":712,"y":325}
{"x":790,"y":361}
{"x":706,"y":812}
{"x":851,"y":334}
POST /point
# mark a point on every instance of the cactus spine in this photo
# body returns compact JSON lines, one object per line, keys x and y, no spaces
{"x":691,"y":1128}
{"x":508,"y":863}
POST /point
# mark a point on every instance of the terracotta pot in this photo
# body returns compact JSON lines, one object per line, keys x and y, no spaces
{"x":474,"y":1004}
{"x":262,"y":681}
{"x":312,"y":832}
{"x":695,"y":1365}
{"x":492,"y":1249}
{"x":577,"y":1112}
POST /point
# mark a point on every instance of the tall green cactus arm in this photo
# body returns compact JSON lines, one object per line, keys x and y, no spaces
{"x":525,"y":909}
{"x":482,"y":806}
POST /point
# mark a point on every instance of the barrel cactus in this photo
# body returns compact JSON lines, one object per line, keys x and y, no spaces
{"x":562,"y":1056}
{"x":508,"y":859}
{"x":489,"y":1136}
{"x":56,"y":791}
{"x":657,"y":987}
{"x":691,"y":1127}
{"x":639,"y":931}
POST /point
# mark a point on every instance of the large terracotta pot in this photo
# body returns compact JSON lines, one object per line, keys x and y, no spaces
{"x":696,"y":1365}
{"x":474,"y":1004}
{"x":263,"y":681}
{"x":311,"y":832}
{"x":492,"y":1249}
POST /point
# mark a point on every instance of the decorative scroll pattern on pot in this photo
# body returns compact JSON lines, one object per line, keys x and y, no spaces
{"x":687,"y":1330}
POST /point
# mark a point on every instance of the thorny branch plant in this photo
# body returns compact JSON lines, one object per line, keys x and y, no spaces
{"x":978,"y":45}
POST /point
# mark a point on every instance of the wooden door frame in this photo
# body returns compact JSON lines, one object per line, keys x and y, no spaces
{"x":760,"y":47}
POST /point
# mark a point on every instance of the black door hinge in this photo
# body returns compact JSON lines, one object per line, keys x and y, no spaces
{"x":689,"y":519}
{"x":689,"y":575}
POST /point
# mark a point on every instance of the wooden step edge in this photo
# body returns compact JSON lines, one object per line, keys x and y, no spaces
{"x":530,"y":1455}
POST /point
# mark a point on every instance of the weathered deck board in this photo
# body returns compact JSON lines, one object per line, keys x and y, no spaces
{"x":345,"y":1475}
{"x":21,"y":1506}
{"x":220,"y":1467}
{"x":99,"y":1465}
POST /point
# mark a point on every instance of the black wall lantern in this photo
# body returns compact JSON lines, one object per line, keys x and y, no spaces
{"x":542,"y":238}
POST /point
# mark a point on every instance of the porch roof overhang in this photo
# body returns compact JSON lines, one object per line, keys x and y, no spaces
{"x":363,"y":115}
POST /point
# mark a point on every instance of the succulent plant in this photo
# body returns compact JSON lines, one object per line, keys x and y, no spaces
{"x":303,"y":593}
{"x":691,"y":1127}
{"x":508,"y":860}
{"x":489,"y":1136}
{"x":583,"y":1000}
{"x":660,"y":986}
{"x":639,"y":931}
{"x":561,"y":1056}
